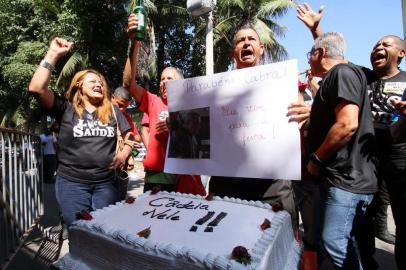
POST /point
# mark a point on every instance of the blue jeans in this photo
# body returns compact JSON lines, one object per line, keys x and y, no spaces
{"x":343,"y":218}
{"x":74,"y":197}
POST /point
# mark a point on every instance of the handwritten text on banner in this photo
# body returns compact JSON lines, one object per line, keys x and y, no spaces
{"x":250,"y":135}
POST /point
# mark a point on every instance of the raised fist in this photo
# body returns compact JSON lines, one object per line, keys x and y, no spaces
{"x":60,"y":46}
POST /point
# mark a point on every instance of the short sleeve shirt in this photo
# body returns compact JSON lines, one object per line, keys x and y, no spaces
{"x":157,"y":110}
{"x":48,"y":142}
{"x":86,"y":145}
{"x":352,"y":168}
{"x":380,"y":91}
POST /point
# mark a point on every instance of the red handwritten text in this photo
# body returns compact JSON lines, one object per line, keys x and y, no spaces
{"x":246,"y":139}
{"x":226,"y":111}
{"x":237,"y":125}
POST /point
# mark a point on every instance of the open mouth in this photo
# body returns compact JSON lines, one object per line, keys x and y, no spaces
{"x":246,"y":54}
{"x":378,"y":57}
{"x":98,"y":90}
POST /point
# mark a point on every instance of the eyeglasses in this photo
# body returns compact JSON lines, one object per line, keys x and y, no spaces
{"x":312,"y":51}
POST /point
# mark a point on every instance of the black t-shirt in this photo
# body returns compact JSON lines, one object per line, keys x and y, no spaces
{"x":86,"y":146}
{"x":352,"y":168}
{"x":379,"y":91}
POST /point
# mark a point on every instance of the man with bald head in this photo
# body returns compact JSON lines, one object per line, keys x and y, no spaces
{"x":386,"y":85}
{"x":386,"y":56}
{"x":157,"y":109}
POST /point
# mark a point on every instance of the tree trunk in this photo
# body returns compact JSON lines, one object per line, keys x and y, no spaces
{"x":161,"y":51}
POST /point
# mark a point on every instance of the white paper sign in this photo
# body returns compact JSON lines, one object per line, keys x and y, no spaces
{"x":249,"y":132}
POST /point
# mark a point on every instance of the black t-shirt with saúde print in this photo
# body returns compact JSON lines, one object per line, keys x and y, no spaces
{"x":86,"y":145}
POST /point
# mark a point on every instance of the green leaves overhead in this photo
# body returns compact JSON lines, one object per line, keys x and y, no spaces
{"x":231,"y":14}
{"x":69,"y":69}
{"x":98,"y":30}
{"x":26,"y":27}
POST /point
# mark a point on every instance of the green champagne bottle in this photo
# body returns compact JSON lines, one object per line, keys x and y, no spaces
{"x":141,"y":14}
{"x":134,"y":152}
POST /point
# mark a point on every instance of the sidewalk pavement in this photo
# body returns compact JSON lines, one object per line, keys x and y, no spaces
{"x":385,"y":252}
{"x":47,"y":242}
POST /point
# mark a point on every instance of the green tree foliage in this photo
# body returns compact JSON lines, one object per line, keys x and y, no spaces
{"x":22,"y":28}
{"x":17,"y":71}
{"x":172,"y":33}
{"x":26,"y":28}
{"x":181,"y":42}
{"x":176,"y":43}
{"x":229,"y":15}
{"x":98,"y":29}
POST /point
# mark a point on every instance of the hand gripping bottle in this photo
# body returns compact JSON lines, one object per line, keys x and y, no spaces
{"x":141,"y":14}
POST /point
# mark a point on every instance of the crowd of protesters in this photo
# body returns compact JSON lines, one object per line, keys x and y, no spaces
{"x":351,"y":120}
{"x":384,"y":87}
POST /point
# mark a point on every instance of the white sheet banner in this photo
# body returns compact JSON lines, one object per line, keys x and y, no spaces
{"x":240,"y":127}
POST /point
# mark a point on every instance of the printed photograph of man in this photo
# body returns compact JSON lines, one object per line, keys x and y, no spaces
{"x":190,"y":134}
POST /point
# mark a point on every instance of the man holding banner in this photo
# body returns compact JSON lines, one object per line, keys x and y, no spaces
{"x":247,"y":52}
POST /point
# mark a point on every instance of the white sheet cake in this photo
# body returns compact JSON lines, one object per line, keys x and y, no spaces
{"x":186,"y":232}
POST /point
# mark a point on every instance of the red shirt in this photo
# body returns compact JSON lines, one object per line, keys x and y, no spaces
{"x":156,"y":152}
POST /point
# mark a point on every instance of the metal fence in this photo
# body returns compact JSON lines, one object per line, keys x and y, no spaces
{"x":21,"y":202}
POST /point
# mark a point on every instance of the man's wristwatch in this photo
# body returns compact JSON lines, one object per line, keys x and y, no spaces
{"x":316,"y":160}
{"x":47,"y":65}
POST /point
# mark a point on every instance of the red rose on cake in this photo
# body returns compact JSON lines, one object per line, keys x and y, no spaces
{"x":130,"y":200}
{"x":241,"y":255}
{"x":155,"y":189}
{"x":145,"y":233}
{"x":84,"y":214}
{"x":277,"y":206}
{"x":266,"y":224}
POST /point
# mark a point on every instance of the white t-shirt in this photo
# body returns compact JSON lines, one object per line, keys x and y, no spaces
{"x":47,"y":142}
